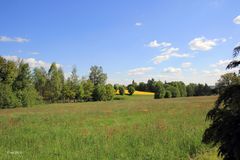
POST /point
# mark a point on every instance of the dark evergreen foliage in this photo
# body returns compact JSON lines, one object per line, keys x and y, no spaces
{"x":224,"y":130}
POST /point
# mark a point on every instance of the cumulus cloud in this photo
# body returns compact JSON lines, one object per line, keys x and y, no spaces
{"x":167,"y":54}
{"x":172,"y":70}
{"x":204,"y":44}
{"x":236,"y":20}
{"x":139,"y":71}
{"x":138,"y":24}
{"x":186,"y":65}
{"x":13,"y":39}
{"x":31,"y":61}
{"x":156,"y":44}
{"x":218,"y":72}
{"x":221,"y":63}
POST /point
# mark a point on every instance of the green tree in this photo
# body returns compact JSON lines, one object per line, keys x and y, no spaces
{"x":134,"y":84}
{"x":131,"y":89}
{"x":23,"y":86}
{"x":224,"y":130}
{"x":8,"y":71}
{"x":7,"y":97}
{"x":168,"y":94}
{"x":226,"y":80}
{"x":182,"y":89}
{"x":40,"y":80}
{"x":199,"y":90}
{"x":74,"y":82}
{"x":28,"y":96}
{"x":110,"y":92}
{"x":174,"y":91}
{"x":121,"y":90}
{"x":68,"y":93}
{"x":80,"y":92}
{"x":23,"y":79}
{"x":88,"y":88}
{"x":62,"y":81}
{"x":151,"y":85}
{"x":53,"y":84}
{"x":99,"y":93}
{"x":142,"y":87}
{"x":191,"y":89}
{"x":97,"y":76}
{"x":116,"y":86}
{"x":159,"y":90}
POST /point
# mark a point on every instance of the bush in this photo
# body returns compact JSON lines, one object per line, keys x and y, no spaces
{"x":131,"y":90}
{"x":121,"y":90}
{"x":168,"y":94}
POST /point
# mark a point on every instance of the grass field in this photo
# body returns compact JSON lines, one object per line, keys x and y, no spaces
{"x":138,"y":127}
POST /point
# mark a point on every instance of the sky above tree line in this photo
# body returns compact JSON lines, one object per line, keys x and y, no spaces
{"x":168,"y":40}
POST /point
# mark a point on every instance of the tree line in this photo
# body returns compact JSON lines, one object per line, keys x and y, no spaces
{"x":22,"y":86}
{"x":167,"y":89}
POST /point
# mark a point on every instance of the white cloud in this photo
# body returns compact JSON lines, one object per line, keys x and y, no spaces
{"x":204,"y":44}
{"x":138,"y":24}
{"x":34,"y":53}
{"x":221,"y":63}
{"x":156,"y":44}
{"x":186,"y":65}
{"x":31,"y":61}
{"x":139,"y":71}
{"x":27,"y":52}
{"x":172,"y":70}
{"x":167,"y":54}
{"x":160,"y":59}
{"x":13,"y":39}
{"x":236,"y":20}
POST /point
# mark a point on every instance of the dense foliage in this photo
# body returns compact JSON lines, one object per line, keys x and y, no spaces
{"x":224,"y":130}
{"x":22,"y":86}
{"x":131,"y":89}
{"x":170,"y":89}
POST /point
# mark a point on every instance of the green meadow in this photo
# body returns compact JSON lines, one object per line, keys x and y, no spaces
{"x":136,"y":127}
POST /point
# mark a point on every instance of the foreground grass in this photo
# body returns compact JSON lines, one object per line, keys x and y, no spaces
{"x":138,"y":127}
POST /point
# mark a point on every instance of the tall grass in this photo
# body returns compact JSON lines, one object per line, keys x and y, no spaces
{"x":138,"y":127}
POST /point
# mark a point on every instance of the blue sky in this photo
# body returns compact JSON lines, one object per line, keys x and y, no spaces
{"x":168,"y":40}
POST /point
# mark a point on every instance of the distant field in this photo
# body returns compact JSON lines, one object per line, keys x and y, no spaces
{"x":139,"y":93}
{"x":138,"y":127}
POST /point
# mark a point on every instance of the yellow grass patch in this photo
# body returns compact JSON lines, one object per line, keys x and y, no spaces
{"x":138,"y":93}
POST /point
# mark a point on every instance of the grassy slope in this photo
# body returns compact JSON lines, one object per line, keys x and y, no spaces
{"x":138,"y":127}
